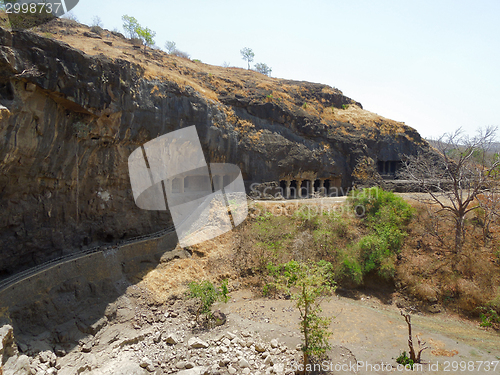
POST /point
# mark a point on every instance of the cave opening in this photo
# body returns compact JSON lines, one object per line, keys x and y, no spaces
{"x":293,"y":189}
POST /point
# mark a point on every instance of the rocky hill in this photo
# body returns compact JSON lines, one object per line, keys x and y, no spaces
{"x":76,"y":103}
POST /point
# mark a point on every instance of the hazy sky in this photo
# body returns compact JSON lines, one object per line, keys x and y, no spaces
{"x":432,"y":64}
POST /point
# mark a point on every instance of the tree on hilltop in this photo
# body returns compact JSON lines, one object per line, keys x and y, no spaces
{"x":130,"y":26}
{"x":134,"y":30}
{"x":170,"y":46}
{"x":247,"y":55}
{"x":263,"y":68}
{"x":146,"y":35}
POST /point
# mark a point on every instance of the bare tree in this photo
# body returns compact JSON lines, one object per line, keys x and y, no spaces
{"x":489,"y":202}
{"x":455,"y":173}
{"x":414,"y":356}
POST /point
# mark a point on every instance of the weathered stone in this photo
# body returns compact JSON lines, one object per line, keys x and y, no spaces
{"x":97,"y":326}
{"x":111,"y":311}
{"x":180,"y":364}
{"x":274,"y":343}
{"x":243,"y":363}
{"x":195,"y":342}
{"x":172,"y":339}
{"x":48,"y":357}
{"x":193,"y":371}
{"x":269,"y":360}
{"x":245,"y":334}
{"x":18,"y":366}
{"x":145,"y":362}
{"x":220,"y":318}
{"x":259,"y":347}
{"x":7,"y":345}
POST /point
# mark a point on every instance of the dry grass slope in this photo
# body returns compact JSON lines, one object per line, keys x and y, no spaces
{"x":214,"y":81}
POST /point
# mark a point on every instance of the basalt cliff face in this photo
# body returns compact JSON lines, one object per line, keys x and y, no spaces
{"x":75,"y":104}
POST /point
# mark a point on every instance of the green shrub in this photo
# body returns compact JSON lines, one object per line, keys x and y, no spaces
{"x":405,"y":360}
{"x":386,"y":216}
{"x":352,"y":269}
{"x":207,"y":294}
{"x":488,"y":317}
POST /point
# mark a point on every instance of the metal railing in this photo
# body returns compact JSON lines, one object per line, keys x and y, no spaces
{"x":5,"y":283}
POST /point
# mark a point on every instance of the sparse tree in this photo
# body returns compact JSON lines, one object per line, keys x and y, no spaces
{"x":454,"y":174}
{"x":247,"y":55}
{"x":96,"y":21}
{"x":308,"y":282}
{"x":263,"y":68}
{"x":170,"y":46}
{"x":70,"y":16}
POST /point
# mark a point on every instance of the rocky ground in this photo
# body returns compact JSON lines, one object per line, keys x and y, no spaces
{"x":259,"y":336}
{"x":138,"y":337}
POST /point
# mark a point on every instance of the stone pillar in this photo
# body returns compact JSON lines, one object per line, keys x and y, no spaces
{"x":312,"y":187}
{"x":287,"y":193}
{"x":322,"y":187}
{"x":299,"y":188}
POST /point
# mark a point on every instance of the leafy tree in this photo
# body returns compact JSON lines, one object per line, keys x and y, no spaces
{"x":134,"y":30}
{"x":455,"y":174}
{"x":263,"y":68}
{"x":130,"y":25}
{"x":247,"y":55}
{"x":307,"y":282}
{"x":146,"y":35}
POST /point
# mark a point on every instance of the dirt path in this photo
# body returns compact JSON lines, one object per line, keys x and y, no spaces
{"x":369,"y":331}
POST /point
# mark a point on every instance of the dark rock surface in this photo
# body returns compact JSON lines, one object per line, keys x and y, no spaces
{"x":70,"y":121}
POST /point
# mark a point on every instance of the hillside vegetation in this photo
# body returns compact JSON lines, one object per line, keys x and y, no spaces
{"x":389,"y":244}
